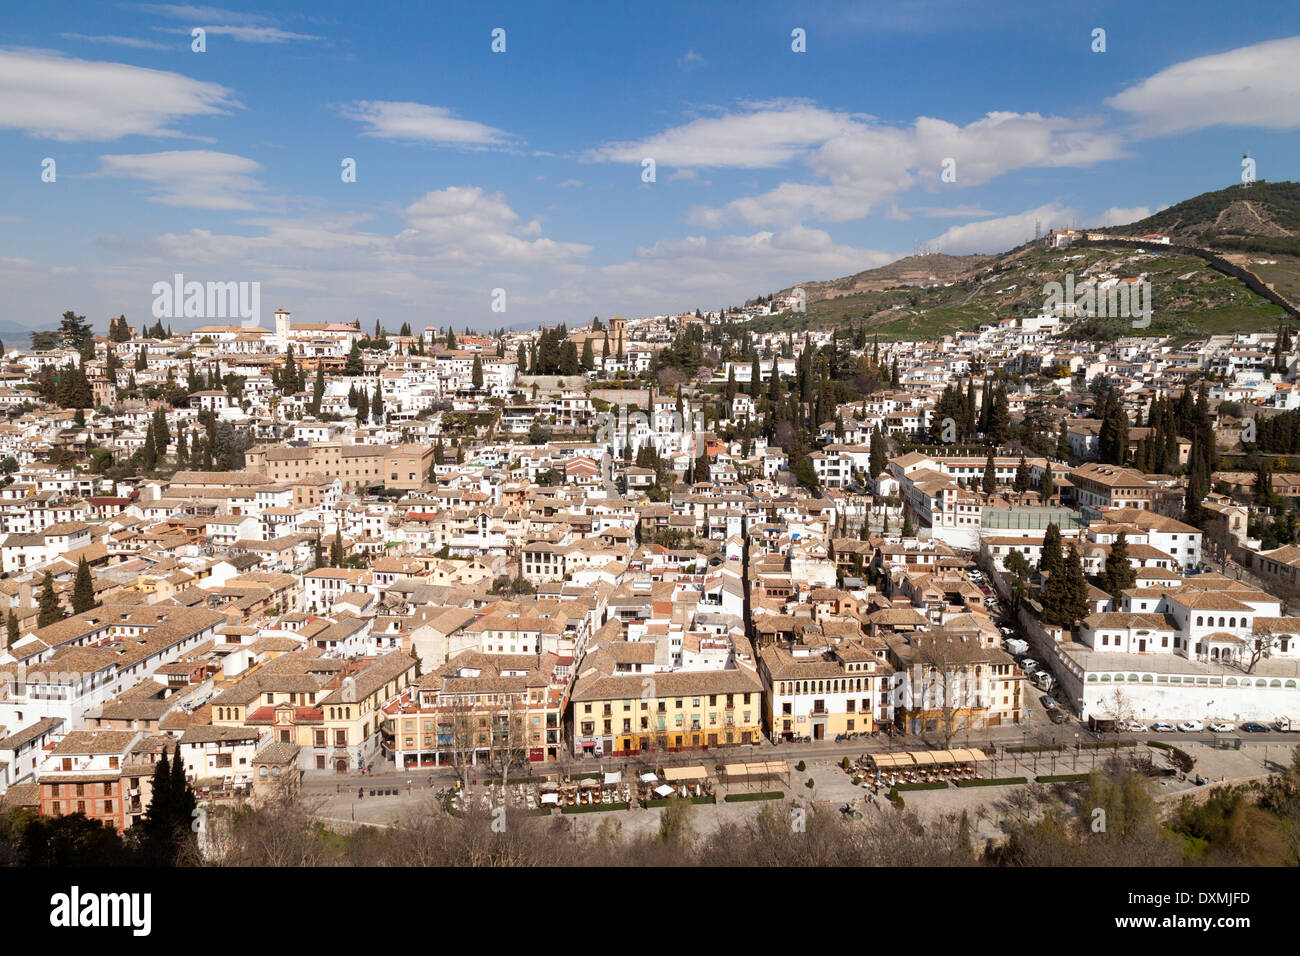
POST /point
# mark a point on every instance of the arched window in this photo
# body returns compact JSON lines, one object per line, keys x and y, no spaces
{"x":1200,"y":620}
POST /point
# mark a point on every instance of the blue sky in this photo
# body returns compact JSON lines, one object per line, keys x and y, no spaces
{"x":523,"y":170}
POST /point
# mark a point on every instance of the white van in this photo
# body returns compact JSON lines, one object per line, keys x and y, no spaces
{"x":1044,"y":680}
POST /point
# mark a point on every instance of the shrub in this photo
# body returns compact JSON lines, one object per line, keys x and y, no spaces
{"x":593,"y":807}
{"x":761,"y":795}
{"x":809,"y":783}
{"x":933,"y":785}
{"x":994,"y":782}
{"x":1062,"y":778}
{"x":801,"y":766}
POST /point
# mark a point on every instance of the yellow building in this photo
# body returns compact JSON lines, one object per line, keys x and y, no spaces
{"x":618,"y":710}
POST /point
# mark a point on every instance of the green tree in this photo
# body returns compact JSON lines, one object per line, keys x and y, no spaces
{"x":1022,"y":476}
{"x":354,"y":366}
{"x":476,"y":373}
{"x":1119,"y":573}
{"x":51,"y":611}
{"x":318,"y":388}
{"x":11,"y":629}
{"x":990,"y":481}
{"x":1051,"y":560}
{"x":83,"y":589}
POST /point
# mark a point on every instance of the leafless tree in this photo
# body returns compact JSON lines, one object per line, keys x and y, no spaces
{"x":1259,"y":646}
{"x":509,"y":741}
{"x":945,"y":677}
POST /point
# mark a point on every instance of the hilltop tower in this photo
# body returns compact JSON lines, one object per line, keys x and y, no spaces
{"x":282,"y":325}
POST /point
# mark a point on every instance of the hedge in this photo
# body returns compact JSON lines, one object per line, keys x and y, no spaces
{"x":760,"y":795}
{"x":1034,"y":750}
{"x":1108,"y":745}
{"x":995,"y":782}
{"x":593,"y":807}
{"x":935,"y":785}
{"x":664,"y":801}
{"x":1062,"y":778}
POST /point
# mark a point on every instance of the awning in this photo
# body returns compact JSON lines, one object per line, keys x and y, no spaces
{"x":685,"y":773}
{"x":649,"y":777}
{"x":664,"y":790}
{"x":550,"y":798}
{"x":613,"y":777}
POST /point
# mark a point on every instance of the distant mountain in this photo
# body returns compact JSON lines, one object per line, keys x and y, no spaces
{"x":1261,"y":217}
{"x":932,"y":295}
{"x":909,"y":271}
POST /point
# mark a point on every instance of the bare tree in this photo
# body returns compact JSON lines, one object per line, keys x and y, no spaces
{"x":945,"y":675}
{"x":1259,"y":646}
{"x":459,"y":718}
{"x":509,"y":743}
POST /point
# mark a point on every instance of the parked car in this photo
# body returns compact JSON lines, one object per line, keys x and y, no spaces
{"x":1134,"y":727}
{"x":1048,"y":702}
{"x":985,"y":588}
{"x":1161,"y":727}
{"x":1254,"y":727}
{"x":1055,"y":716}
{"x":1029,"y":665}
{"x":1222,"y":727}
{"x":1191,"y":726}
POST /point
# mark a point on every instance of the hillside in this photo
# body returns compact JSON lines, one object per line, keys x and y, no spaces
{"x":928,"y":296}
{"x":909,"y":271}
{"x":1263,"y":217}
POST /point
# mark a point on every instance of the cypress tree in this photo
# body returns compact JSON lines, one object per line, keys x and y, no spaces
{"x":318,"y":388}
{"x":1047,"y":485}
{"x":476,"y":372}
{"x":51,"y":611}
{"x":1119,"y":573}
{"x":990,"y":482}
{"x":11,"y":629}
{"x":878,"y":459}
{"x":909,"y":531}
{"x":1022,"y":476}
{"x":149,"y":451}
{"x":755,"y":377}
{"x":83,"y":589}
{"x":1050,"y":561}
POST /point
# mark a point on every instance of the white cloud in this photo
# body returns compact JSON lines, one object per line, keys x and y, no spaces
{"x":462,"y":224}
{"x":856,"y":162}
{"x":1250,"y":86}
{"x":198,"y":178}
{"x":1119,"y":216}
{"x":69,"y":100}
{"x":392,"y":120}
{"x":708,"y":272}
{"x":760,"y":138}
{"x":1002,"y":233}
{"x":243,"y":34}
{"x":134,"y":42}
{"x":689,"y":60}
